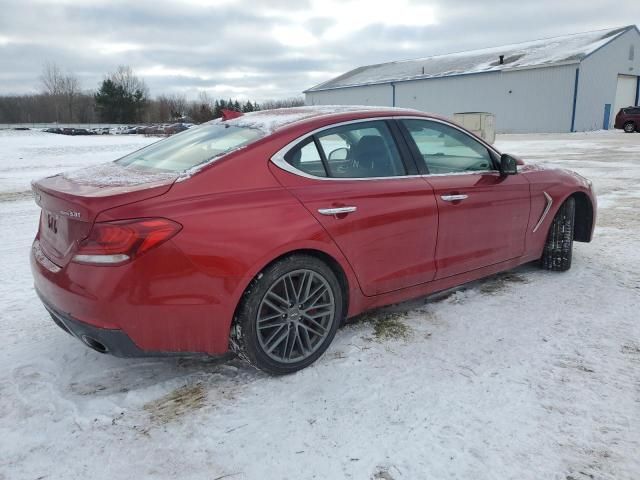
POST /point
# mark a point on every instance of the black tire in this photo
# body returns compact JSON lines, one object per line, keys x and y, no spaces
{"x":558,"y":249}
{"x":247,"y":339}
{"x":629,"y":127}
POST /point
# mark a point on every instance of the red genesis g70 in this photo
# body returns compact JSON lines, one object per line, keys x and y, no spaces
{"x":263,"y":233}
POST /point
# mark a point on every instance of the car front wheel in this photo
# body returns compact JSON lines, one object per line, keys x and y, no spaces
{"x":629,"y":127}
{"x":289,"y":315}
{"x":558,"y":249}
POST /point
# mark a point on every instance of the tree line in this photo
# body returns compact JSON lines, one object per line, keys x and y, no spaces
{"x":121,"y":97}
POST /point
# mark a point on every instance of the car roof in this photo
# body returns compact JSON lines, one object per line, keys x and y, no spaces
{"x":271,"y":121}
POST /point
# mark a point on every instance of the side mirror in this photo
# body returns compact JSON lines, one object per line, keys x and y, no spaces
{"x":508,"y":165}
{"x":339,"y":154}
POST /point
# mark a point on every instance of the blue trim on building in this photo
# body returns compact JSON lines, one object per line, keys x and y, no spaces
{"x":607,"y":116}
{"x":575,"y":100}
{"x":393,"y":93}
{"x":637,"y":90}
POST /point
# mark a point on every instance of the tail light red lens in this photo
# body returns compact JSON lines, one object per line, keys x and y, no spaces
{"x":121,"y":241}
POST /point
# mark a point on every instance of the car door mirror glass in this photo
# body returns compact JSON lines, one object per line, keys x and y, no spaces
{"x":508,"y":164}
{"x":339,"y":154}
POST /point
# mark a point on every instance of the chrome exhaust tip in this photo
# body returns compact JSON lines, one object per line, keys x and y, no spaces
{"x":94,"y":344}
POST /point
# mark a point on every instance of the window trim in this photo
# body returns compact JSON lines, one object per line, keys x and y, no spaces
{"x":305,"y":143}
{"x":323,"y":157}
{"x":278,"y":158}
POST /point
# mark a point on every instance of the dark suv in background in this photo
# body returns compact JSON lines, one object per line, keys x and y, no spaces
{"x":628,"y":119}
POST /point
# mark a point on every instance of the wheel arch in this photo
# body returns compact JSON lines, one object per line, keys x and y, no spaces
{"x":584,"y":217}
{"x":334,"y":264}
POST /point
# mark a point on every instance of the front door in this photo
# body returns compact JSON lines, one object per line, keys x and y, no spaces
{"x":483,"y":216}
{"x":355,"y":183}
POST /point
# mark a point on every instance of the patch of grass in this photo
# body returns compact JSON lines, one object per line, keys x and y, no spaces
{"x":176,"y":403}
{"x":631,"y":349}
{"x":390,"y":326}
{"x":500,"y":282}
{"x":382,"y":473}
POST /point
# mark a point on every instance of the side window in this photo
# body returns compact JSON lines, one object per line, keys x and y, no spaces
{"x":445,"y":149}
{"x":305,"y":157}
{"x":361,"y":150}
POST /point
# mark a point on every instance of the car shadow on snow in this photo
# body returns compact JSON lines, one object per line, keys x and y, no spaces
{"x":117,"y":375}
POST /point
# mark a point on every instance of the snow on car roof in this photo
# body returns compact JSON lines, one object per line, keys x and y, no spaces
{"x":546,"y":52}
{"x":270,"y":120}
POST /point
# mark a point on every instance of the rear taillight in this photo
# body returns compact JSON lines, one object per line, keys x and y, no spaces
{"x":111,"y":243}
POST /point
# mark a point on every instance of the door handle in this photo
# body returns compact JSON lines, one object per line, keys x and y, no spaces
{"x":335,"y":211}
{"x":453,"y":198}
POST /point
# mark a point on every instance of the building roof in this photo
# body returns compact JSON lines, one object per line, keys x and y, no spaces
{"x":538,"y":53}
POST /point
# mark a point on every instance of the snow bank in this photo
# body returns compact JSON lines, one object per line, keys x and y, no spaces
{"x":31,"y":154}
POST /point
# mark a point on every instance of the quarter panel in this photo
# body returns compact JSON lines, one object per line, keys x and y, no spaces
{"x":226,"y":239}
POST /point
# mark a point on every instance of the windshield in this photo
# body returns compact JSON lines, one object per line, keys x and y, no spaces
{"x":192,"y":147}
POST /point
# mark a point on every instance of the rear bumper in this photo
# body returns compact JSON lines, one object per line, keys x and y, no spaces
{"x":102,"y":340}
{"x":157,"y":305}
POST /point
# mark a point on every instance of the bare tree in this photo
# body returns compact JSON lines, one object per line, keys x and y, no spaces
{"x":283,"y":103}
{"x":201,"y":110}
{"x":52,"y":79}
{"x":177,"y":106}
{"x":63,"y":89}
{"x":125,"y":78}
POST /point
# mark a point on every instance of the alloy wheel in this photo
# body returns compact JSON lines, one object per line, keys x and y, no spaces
{"x":295,"y":316}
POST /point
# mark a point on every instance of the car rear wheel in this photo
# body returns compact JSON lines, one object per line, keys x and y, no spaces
{"x":629,"y":127}
{"x":289,"y":315}
{"x":559,"y":246}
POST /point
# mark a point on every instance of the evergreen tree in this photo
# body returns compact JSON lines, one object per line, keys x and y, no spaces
{"x":122,"y":97}
{"x":247,"y":107}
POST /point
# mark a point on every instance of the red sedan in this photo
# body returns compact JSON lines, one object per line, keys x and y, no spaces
{"x":263,"y":233}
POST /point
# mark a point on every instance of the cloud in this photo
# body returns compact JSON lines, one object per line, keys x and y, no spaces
{"x":260,"y":50}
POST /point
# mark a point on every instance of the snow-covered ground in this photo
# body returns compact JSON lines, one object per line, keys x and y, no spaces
{"x":526,"y":375}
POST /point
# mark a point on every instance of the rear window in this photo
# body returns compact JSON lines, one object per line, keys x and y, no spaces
{"x":192,"y":147}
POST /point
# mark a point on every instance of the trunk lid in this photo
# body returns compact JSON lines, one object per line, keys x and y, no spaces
{"x":71,"y":201}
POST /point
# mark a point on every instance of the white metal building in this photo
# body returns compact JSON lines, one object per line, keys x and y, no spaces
{"x":570,"y":83}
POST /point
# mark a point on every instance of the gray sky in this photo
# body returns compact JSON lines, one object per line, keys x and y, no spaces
{"x":271,"y":49}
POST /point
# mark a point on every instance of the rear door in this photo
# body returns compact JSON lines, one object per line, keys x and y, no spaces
{"x":483,"y":215}
{"x":355,"y":179}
